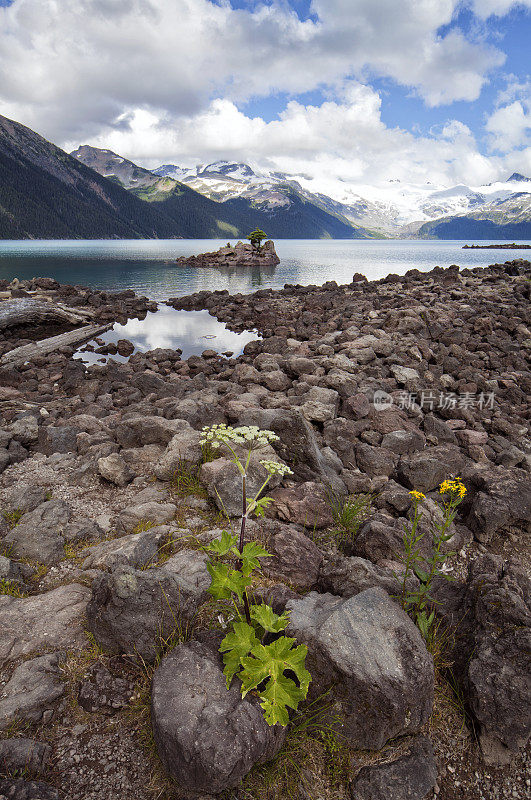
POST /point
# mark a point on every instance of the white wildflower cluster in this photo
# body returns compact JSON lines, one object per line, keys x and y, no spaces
{"x":275,"y":468}
{"x":249,"y":435}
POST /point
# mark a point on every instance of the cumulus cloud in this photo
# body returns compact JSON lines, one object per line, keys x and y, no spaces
{"x":332,"y":147}
{"x":489,"y":8}
{"x":73,"y":67}
{"x":163,"y":80}
{"x":510,"y":126}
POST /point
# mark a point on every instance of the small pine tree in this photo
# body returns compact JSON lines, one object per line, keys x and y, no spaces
{"x":256,"y":237}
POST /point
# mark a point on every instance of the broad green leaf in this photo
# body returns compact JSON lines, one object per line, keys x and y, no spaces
{"x":222,"y":545}
{"x":249,"y":556}
{"x":234,"y":646}
{"x":283,"y":692}
{"x":266,"y":617}
{"x":225,"y":581}
{"x":274,"y":714}
{"x":272,"y":660}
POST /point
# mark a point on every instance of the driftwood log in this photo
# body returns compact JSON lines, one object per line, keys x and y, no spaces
{"x":29,"y":351}
{"x":30,"y":312}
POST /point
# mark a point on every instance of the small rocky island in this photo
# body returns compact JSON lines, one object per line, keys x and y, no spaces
{"x":241,"y":255}
{"x":111,"y":683}
{"x":511,"y":246}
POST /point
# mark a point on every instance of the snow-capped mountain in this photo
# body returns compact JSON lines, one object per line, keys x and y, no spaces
{"x":393,"y":208}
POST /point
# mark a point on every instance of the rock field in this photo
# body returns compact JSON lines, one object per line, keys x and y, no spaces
{"x":110,"y":677}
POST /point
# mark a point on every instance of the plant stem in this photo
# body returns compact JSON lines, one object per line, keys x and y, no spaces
{"x":242,"y":542}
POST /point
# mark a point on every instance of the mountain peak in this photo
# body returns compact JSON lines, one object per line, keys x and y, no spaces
{"x":517,"y":176}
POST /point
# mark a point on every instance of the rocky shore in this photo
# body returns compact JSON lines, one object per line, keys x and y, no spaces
{"x":507,"y":246}
{"x":108,"y":642}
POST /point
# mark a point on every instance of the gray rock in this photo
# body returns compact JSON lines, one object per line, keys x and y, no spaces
{"x":410,"y":777}
{"x":297,"y":445}
{"x":296,"y":559}
{"x":139,"y":430}
{"x":372,"y":656}
{"x":25,"y":430}
{"x":184,"y":447}
{"x":19,"y":789}
{"x":307,"y":504}
{"x":114,"y":469}
{"x":134,"y":611}
{"x":498,"y":681}
{"x":381,"y":537}
{"x":23,"y":755}
{"x":347,"y":577}
{"x":156,"y":513}
{"x":504,"y":499}
{"x":438,"y":431}
{"x":4,"y":459}
{"x":33,"y":689}
{"x":100,"y":690}
{"x":405,"y":375}
{"x":375,"y":461}
{"x":223,"y":481}
{"x":401,"y":442}
{"x":135,"y":550}
{"x":39,"y":534}
{"x":61,"y":439}
{"x":24,"y":497}
{"x":52,"y":620}
{"x":425,"y":470}
{"x":208,"y":738}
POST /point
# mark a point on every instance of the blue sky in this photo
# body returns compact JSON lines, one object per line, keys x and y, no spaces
{"x":352,"y":91}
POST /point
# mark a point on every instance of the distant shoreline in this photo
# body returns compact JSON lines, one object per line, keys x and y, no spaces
{"x":512,"y":246}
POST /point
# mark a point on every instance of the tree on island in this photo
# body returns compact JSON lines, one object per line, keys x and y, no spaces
{"x":255,"y":237}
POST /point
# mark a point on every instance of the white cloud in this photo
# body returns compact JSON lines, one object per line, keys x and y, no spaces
{"x":510,"y":126}
{"x":337,"y":144}
{"x":73,"y":68}
{"x":489,"y":8}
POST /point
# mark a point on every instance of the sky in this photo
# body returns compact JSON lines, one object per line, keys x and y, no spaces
{"x":343,"y":92}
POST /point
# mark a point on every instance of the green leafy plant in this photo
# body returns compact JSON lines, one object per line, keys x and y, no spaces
{"x":256,"y":237}
{"x":12,"y":518}
{"x":256,"y":650}
{"x":418,"y":601}
{"x":10,"y":588}
{"x":348,"y":514}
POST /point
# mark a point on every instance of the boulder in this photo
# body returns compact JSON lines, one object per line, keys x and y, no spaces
{"x":375,"y":461}
{"x":23,"y":755}
{"x":296,"y":559}
{"x":185,"y":448}
{"x":135,"y":550}
{"x":372,"y":656}
{"x":307,"y":504}
{"x":149,"y":512}
{"x":134,"y":611}
{"x":138,"y":430}
{"x":223,"y":481}
{"x":100,"y":690}
{"x":61,"y":439}
{"x":498,"y":678}
{"x":24,"y":497}
{"x":52,"y":620}
{"x":25,"y":430}
{"x":410,"y":777}
{"x":19,"y":789}
{"x":347,"y":577}
{"x":425,"y":470}
{"x":32,"y":690}
{"x":502,"y":499}
{"x":39,"y":535}
{"x":208,"y":738}
{"x":114,"y":469}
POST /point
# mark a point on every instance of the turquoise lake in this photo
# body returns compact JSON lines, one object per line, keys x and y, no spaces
{"x":145,"y":265}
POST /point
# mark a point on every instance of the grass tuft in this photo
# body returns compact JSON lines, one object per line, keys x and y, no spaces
{"x":348,"y":514}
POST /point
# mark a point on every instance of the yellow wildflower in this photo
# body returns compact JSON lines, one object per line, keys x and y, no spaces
{"x":417,"y":495}
{"x":455,"y":487}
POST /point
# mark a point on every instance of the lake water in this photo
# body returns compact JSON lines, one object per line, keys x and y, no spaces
{"x":140,"y":264}
{"x":191,"y":331}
